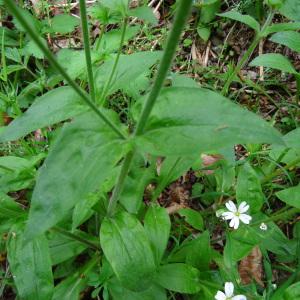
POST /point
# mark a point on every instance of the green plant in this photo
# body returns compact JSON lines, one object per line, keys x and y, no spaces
{"x":86,"y":192}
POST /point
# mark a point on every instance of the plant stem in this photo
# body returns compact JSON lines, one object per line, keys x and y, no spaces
{"x":76,"y":238}
{"x":111,"y":76}
{"x":13,"y":8}
{"x":87,"y":49}
{"x":180,"y":19}
{"x":102,"y":30}
{"x":173,"y":40}
{"x":247,"y":54}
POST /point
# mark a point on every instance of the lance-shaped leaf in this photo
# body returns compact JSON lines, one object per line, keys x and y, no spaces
{"x":246,"y":19}
{"x":81,"y":158}
{"x":30,"y":265}
{"x":157,"y":225}
{"x":274,"y":60}
{"x":186,"y":121}
{"x":9,"y":208}
{"x":53,"y":107}
{"x":290,"y":39}
{"x":290,"y":196}
{"x":127,"y":248}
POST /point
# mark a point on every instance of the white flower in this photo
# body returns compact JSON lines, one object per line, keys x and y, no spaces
{"x":236,"y":214}
{"x":263,"y":226}
{"x":228,"y":295}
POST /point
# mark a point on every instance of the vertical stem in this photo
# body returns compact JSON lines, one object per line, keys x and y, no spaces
{"x":173,"y":40}
{"x":87,"y":49}
{"x":111,"y":76}
{"x":298,"y":87}
{"x":246,"y":55}
{"x":14,"y":9}
{"x":180,"y":19}
{"x":97,"y":46}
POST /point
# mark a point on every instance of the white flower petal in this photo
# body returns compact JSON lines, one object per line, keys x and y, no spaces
{"x":231,"y":206}
{"x":245,"y":218}
{"x":229,"y":288}
{"x":243,"y":207}
{"x":239,"y":297}
{"x":235,"y":222}
{"x":220,"y":296}
{"x":228,"y":215}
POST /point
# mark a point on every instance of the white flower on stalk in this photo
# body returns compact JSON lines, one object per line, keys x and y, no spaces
{"x":229,"y":295}
{"x":236,"y":214}
{"x":263,"y":226}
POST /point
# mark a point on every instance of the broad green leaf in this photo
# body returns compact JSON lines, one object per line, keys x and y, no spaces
{"x":281,"y":27}
{"x":72,"y":286}
{"x":291,"y":9}
{"x":110,"y":41}
{"x":249,"y":188}
{"x":144,"y":13}
{"x":33,"y":22}
{"x":64,"y":23}
{"x":104,"y":14}
{"x":10,"y":37}
{"x":32,"y":49}
{"x":82,"y":157}
{"x":290,"y":196}
{"x":74,"y":62}
{"x":203,"y":121}
{"x":128,"y":69}
{"x":121,"y":6}
{"x":157,"y":226}
{"x":292,"y":292}
{"x":290,"y":39}
{"x":204,"y":32}
{"x":9,"y":208}
{"x":192,"y":217}
{"x":127,"y":248}
{"x":30,"y":265}
{"x":118,"y":292}
{"x":55,"y":106}
{"x":195,"y":252}
{"x":209,"y":10}
{"x":180,"y":278}
{"x":246,"y":19}
{"x":291,"y":151}
{"x":274,"y":61}
{"x":135,"y":184}
{"x":63,"y":248}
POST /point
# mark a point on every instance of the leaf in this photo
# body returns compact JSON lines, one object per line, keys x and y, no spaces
{"x":292,"y":149}
{"x":246,"y":19}
{"x":157,"y":226}
{"x":281,"y":27}
{"x":30,"y":265}
{"x":292,"y":292}
{"x":274,"y":61}
{"x":120,"y":6}
{"x":32,"y":49}
{"x":290,"y":39}
{"x":33,"y":22}
{"x":291,"y":9}
{"x":120,"y":293}
{"x":180,"y":278}
{"x":127,"y":248}
{"x":70,"y":288}
{"x":135,"y":184}
{"x":55,"y":106}
{"x":63,"y":248}
{"x":82,"y":157}
{"x":209,"y":10}
{"x":144,"y":13}
{"x":64,"y":23}
{"x":10,"y":37}
{"x":128,"y":69}
{"x":110,"y":41}
{"x":204,"y":121}
{"x":9,"y":208}
{"x":290,"y":196}
{"x":196,"y":252}
{"x":192,"y":217}
{"x":249,"y":188}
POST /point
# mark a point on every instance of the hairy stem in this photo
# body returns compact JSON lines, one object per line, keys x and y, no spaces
{"x":87,"y":49}
{"x":84,"y":96}
{"x":111,"y":76}
{"x":173,"y":40}
{"x":247,"y":54}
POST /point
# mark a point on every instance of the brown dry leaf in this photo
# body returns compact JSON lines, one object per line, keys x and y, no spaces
{"x":251,"y":267}
{"x":209,"y":160}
